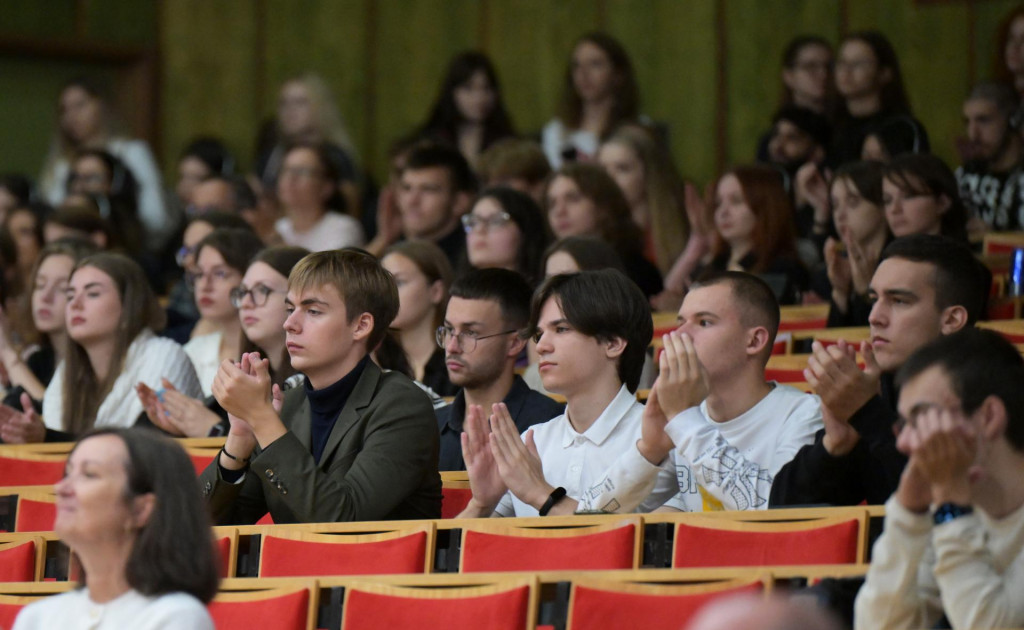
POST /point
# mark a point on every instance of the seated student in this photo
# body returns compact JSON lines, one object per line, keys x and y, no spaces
{"x":506,"y":229}
{"x":592,"y":330}
{"x":924,"y":287}
{"x":516,"y":163}
{"x":482,"y":338}
{"x":954,"y":531}
{"x":354,"y":443}
{"x":436,"y":187}
{"x":992,"y":180}
{"x":921,"y":196}
{"x":728,"y":430}
{"x":110,"y":316}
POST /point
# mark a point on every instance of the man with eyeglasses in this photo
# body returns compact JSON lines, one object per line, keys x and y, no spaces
{"x":953,"y":543}
{"x":482,"y":340}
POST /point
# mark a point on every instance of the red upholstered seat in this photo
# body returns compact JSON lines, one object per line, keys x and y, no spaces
{"x":36,"y":513}
{"x":502,"y":548}
{"x":222,"y":546}
{"x":18,"y":561}
{"x":709,"y":542}
{"x":30,"y":469}
{"x":201,"y":458}
{"x":10,"y":606}
{"x":596,"y":603}
{"x":280,"y":609}
{"x":506,"y":605}
{"x":454,"y":500}
{"x":289,"y":554}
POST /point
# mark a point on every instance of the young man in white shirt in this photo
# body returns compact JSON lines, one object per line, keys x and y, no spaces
{"x":954,"y":530}
{"x":728,"y":431}
{"x":592,"y":330}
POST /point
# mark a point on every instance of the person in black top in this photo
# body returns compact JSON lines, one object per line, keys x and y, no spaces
{"x":482,"y":336}
{"x":992,"y":179}
{"x":925,"y":286}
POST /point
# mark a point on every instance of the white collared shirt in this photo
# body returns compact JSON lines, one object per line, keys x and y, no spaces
{"x":585,"y":463}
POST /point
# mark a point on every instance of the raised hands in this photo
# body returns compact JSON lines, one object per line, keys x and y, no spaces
{"x":21,"y":427}
{"x":484,"y":479}
{"x":175,"y":412}
{"x":943,"y":448}
{"x":844,"y":387}
{"x":654,"y":444}
{"x":517,"y":460}
{"x":245,"y":391}
{"x":682,"y":379}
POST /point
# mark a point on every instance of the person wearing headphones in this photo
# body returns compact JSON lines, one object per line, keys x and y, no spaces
{"x":991,"y":179}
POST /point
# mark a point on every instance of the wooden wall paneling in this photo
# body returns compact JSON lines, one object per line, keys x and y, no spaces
{"x":121,"y":22}
{"x":413,"y":43}
{"x":757,"y":35}
{"x":673,"y":49}
{"x":530,"y":42}
{"x":208,"y":76}
{"x":32,"y":18}
{"x":330,"y":39}
{"x":932,"y":44}
{"x":987,"y":16}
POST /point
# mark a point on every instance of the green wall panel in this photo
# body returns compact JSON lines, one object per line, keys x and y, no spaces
{"x":933,"y":47}
{"x":38,"y":18}
{"x":672,"y":45}
{"x":756,"y":35}
{"x":209,"y":76}
{"x":988,"y":15}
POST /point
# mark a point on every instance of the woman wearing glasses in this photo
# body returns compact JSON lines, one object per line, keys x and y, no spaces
{"x":111,"y":314}
{"x":259,"y":300}
{"x":221,"y":259}
{"x":506,"y":229}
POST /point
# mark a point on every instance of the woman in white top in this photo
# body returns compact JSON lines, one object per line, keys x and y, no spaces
{"x":600,"y":93}
{"x":307,"y":187}
{"x":260,"y":300}
{"x":130,"y":510}
{"x":110,"y":314}
{"x":85,"y":122}
{"x":221,"y":259}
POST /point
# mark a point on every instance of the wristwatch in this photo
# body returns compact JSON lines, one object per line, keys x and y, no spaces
{"x":949,"y":511}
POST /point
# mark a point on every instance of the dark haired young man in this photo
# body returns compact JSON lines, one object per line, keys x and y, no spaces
{"x":435,"y":189}
{"x":728,"y":431}
{"x":355,"y":443}
{"x":924,"y":287}
{"x":992,"y":180}
{"x":482,"y":338}
{"x":592,"y":330}
{"x":954,"y":530}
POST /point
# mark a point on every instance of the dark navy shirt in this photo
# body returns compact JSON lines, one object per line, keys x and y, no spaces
{"x":526,"y":407}
{"x":325,"y":406}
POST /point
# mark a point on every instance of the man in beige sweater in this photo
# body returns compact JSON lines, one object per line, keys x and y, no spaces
{"x":954,"y":530}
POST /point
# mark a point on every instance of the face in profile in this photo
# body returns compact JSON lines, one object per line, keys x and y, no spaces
{"x":418,"y":298}
{"x":93,"y":503}
{"x":910,"y":208}
{"x":471,"y":361}
{"x":93,"y":310}
{"x":904,"y":317}
{"x":709,"y":315}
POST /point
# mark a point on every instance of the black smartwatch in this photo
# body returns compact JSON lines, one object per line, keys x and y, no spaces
{"x":949,"y":511}
{"x":557,"y":495}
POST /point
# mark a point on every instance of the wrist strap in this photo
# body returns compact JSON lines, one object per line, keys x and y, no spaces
{"x":224,"y":450}
{"x":556,"y":495}
{"x":950,"y":511}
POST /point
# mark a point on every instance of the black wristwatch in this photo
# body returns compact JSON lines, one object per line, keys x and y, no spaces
{"x":949,"y":511}
{"x":557,"y":495}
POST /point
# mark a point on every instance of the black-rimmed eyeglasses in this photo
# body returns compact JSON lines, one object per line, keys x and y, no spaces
{"x":465,"y":340}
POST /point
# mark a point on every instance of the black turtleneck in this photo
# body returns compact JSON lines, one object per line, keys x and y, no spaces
{"x":325,"y":406}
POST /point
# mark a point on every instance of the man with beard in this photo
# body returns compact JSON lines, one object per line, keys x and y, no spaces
{"x":482,"y":339}
{"x":992,"y":180}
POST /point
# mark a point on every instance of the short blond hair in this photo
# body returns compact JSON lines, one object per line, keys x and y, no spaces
{"x":363,"y":284}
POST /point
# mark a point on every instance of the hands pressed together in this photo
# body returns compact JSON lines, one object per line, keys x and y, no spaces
{"x":21,"y":427}
{"x":943,"y":448}
{"x":844,"y":387}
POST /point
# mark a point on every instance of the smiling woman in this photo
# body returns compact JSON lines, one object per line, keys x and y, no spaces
{"x":128,"y":506}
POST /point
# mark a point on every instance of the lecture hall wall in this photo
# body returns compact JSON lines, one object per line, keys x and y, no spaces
{"x":707,"y":68}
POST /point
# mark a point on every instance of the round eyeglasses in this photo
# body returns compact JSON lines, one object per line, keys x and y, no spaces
{"x":465,"y":340}
{"x":258,"y":294}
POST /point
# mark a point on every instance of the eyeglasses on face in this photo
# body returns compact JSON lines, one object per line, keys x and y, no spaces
{"x":465,"y":340}
{"x":471,"y":221}
{"x":258,"y":294}
{"x":217,"y":275}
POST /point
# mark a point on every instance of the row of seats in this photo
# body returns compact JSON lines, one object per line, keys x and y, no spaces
{"x":637,"y":598}
{"x":805,"y":536}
